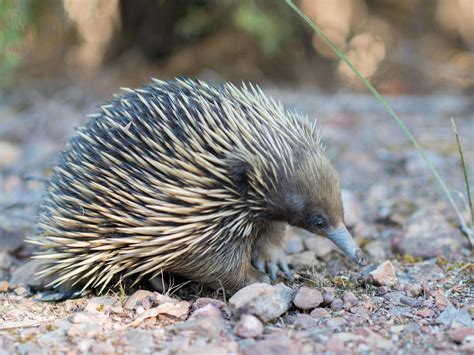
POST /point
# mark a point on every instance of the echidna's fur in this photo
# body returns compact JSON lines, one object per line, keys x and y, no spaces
{"x":182,"y":177}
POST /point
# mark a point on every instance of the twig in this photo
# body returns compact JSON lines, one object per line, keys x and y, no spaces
{"x":24,"y":324}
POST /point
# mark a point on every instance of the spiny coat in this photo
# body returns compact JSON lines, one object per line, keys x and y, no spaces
{"x":182,"y":177}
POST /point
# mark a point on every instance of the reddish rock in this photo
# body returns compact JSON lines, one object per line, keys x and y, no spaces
{"x":441,"y":300}
{"x":4,"y":285}
{"x":308,"y":298}
{"x":384,"y":275}
{"x":319,"y":313}
{"x":458,"y":335}
{"x":248,"y":326}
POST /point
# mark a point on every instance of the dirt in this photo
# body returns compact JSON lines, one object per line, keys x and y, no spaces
{"x":398,"y":215}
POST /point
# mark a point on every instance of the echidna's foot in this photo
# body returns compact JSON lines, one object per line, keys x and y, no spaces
{"x":270,"y":261}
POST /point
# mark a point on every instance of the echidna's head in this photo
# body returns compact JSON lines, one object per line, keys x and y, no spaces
{"x":308,"y":196}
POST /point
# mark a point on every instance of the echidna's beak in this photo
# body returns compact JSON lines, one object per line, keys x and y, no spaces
{"x":343,"y":239}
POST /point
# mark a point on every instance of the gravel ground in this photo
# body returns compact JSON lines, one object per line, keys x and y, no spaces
{"x":416,"y":295}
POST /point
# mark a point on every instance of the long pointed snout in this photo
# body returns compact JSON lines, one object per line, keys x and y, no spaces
{"x":343,"y":239}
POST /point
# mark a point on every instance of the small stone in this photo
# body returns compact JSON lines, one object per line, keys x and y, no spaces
{"x":336,"y":322}
{"x":377,"y":341}
{"x":382,"y":290}
{"x":100,"y":305}
{"x":394,"y":297}
{"x":319,"y":313}
{"x":424,"y":312}
{"x":337,"y":304}
{"x":411,"y":302}
{"x":206,"y":322}
{"x":459,"y":334}
{"x":441,"y":300}
{"x":9,"y":154}
{"x":5,"y":259}
{"x":85,"y":317}
{"x":157,"y":299}
{"x":301,"y":260}
{"x":136,"y":299}
{"x":428,"y":234}
{"x":451,"y":314}
{"x":274,"y":347}
{"x":248,"y":326}
{"x":349,"y":297}
{"x":308,"y":298}
{"x":305,"y":321}
{"x":263,"y":300}
{"x":413,"y":290}
{"x":384,"y":275}
{"x":328,"y":295}
{"x":4,"y":285}
{"x":20,"y":291}
{"x":204,"y":301}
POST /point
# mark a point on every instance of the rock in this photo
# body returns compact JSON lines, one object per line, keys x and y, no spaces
{"x":424,"y":312}
{"x":459,"y":334}
{"x":20,"y":291}
{"x":157,"y":299}
{"x":376,"y":250}
{"x":5,"y":259}
{"x":319,"y":313}
{"x":100,"y":305}
{"x":336,"y":322}
{"x":413,"y":290}
{"x":410,"y":301}
{"x":4,"y":285}
{"x":25,"y":275}
{"x":305,"y":321}
{"x":337,"y":304}
{"x":328,"y":295}
{"x":384,"y":275}
{"x":349,"y":297}
{"x":451,"y":314}
{"x":274,"y":347}
{"x":204,"y":301}
{"x":263,"y":300}
{"x":382,"y":290}
{"x":322,"y":246}
{"x":428,"y":234}
{"x":205,"y":322}
{"x":441,"y":300}
{"x":172,"y":311}
{"x":307,"y":298}
{"x":352,"y":208}
{"x":136,"y":299}
{"x":301,"y":260}
{"x":249,"y":326}
{"x":9,"y":154}
{"x":86,"y":317}
{"x":375,"y":340}
{"x":394,"y":297}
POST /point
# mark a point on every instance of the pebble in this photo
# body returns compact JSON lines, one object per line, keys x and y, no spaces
{"x":274,"y":347}
{"x":136,"y":299}
{"x":336,"y":322}
{"x":206,"y":322}
{"x":413,"y":290}
{"x":20,"y":291}
{"x":321,"y":246}
{"x":319,"y":313}
{"x":349,"y":297}
{"x":9,"y":154}
{"x":411,"y":302}
{"x":382,"y":290}
{"x":441,"y":300}
{"x":452,"y":314}
{"x":307,"y":298}
{"x":100,"y":305}
{"x":86,"y":317}
{"x":204,"y":301}
{"x":424,"y":312}
{"x":328,"y":295}
{"x":249,"y":326}
{"x":337,"y":304}
{"x":384,"y":275}
{"x":428,"y":234}
{"x":459,"y":334}
{"x":4,"y":285}
{"x":263,"y":300}
{"x":305,"y":321}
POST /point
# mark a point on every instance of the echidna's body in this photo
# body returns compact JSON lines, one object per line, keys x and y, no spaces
{"x":186,"y":178}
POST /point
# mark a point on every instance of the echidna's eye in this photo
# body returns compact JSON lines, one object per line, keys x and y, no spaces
{"x":320,"y":221}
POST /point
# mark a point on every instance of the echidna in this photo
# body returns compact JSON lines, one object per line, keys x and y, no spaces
{"x":187,"y":178}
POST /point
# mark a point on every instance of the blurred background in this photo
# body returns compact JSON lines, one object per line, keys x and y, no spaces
{"x":404,"y":46}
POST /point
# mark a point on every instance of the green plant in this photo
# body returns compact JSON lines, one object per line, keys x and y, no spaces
{"x":463,"y":225}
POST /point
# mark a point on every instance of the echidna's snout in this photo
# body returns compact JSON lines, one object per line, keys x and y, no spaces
{"x":343,"y":239}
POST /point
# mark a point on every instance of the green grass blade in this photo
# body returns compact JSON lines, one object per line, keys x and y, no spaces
{"x":385,"y":104}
